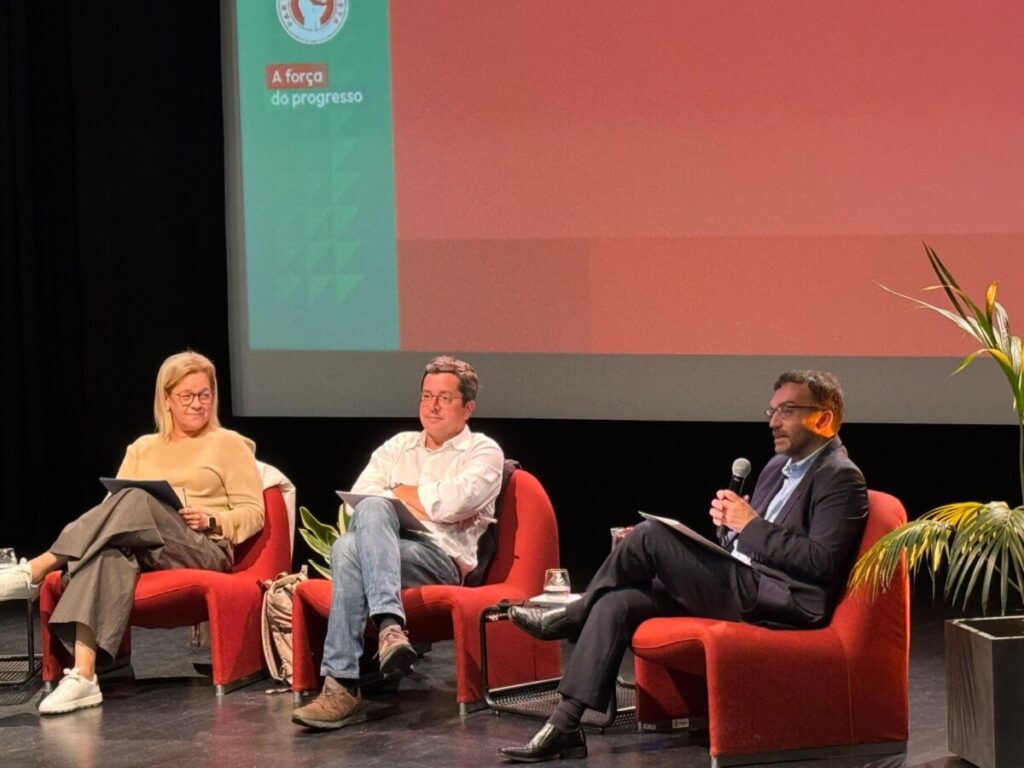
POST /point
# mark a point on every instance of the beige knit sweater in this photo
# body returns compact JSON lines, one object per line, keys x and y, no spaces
{"x":215,"y":472}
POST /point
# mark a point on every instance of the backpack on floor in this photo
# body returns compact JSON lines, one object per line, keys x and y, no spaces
{"x":277,"y":623}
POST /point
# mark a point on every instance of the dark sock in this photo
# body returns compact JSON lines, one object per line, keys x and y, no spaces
{"x":567,"y":715}
{"x":385,"y":620}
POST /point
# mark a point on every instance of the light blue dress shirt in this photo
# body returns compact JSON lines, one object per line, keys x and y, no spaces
{"x":793,"y":472}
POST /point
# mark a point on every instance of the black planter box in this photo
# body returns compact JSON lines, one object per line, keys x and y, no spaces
{"x":985,"y":690}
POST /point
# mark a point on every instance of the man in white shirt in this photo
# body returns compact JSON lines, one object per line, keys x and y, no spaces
{"x":449,"y":478}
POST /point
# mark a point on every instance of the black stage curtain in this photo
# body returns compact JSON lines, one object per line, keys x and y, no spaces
{"x":111,"y":160}
{"x":112,"y":229}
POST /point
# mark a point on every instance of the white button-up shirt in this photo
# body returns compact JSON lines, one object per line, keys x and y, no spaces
{"x":457,"y":485}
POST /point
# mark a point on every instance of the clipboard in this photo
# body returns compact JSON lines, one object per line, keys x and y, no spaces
{"x":159,"y":489}
{"x":689,"y":533}
{"x":406,"y":519}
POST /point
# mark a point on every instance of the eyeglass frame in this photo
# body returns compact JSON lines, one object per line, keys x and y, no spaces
{"x":205,"y":397}
{"x":785,"y":410}
{"x":442,"y":398}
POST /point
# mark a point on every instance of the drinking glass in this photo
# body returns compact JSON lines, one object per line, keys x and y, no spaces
{"x":556,"y":583}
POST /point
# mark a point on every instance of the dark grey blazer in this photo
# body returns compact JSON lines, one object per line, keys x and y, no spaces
{"x":805,"y":556}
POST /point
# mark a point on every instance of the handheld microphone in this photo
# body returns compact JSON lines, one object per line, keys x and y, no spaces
{"x":740,"y":470}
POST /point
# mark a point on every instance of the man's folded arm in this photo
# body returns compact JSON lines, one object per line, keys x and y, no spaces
{"x":465,"y":494}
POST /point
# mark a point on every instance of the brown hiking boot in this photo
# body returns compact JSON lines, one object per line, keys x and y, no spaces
{"x":395,"y":652}
{"x":334,"y":708}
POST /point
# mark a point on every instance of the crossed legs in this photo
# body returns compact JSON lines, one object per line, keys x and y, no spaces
{"x":654,"y":571}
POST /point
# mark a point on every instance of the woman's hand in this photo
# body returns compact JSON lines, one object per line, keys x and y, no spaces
{"x":194,"y":518}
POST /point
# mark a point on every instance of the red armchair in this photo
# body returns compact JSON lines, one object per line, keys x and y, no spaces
{"x":527,"y":545}
{"x":771,"y":694}
{"x":182,"y":597}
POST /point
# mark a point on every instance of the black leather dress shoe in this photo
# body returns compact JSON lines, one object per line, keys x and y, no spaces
{"x":544,"y":623}
{"x":549,"y":744}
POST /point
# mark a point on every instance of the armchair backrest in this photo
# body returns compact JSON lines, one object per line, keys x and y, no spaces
{"x":527,"y":535}
{"x":268,"y":553}
{"x":876,"y":633}
{"x":856,"y":611}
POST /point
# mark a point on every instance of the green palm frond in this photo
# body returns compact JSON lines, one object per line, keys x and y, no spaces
{"x":925,"y":541}
{"x":989,"y":324}
{"x":989,"y":545}
{"x":946,"y":278}
{"x":966,"y":324}
{"x":983,"y":544}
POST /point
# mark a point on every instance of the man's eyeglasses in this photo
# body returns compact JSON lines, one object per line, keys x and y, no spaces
{"x":788,"y":410}
{"x":444,"y":398}
{"x":185,"y":398}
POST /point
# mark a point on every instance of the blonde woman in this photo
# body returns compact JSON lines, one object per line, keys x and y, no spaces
{"x":213,"y":472}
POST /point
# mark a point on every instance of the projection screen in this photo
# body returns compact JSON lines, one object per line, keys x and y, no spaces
{"x":617,"y":210}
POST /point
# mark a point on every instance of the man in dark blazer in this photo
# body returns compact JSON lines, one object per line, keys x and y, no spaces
{"x":789,"y":551}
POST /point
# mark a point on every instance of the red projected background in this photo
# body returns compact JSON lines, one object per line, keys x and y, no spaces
{"x":670,"y":177}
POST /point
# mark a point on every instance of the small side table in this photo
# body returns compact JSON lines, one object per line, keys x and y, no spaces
{"x":18,"y":670}
{"x":537,"y":699}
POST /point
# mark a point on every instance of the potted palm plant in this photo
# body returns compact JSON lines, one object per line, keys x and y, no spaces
{"x":978,"y":547}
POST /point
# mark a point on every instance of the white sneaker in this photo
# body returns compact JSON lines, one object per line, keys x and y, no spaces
{"x":72,"y":692}
{"x":16,"y":582}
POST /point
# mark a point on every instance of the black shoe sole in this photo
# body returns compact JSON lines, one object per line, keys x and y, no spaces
{"x":565,"y":754}
{"x":399,"y":662}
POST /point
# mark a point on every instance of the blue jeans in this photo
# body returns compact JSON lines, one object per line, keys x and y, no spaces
{"x":369,"y":567}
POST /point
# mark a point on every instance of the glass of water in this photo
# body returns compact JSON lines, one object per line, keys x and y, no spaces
{"x":556,"y":583}
{"x":7,"y":557}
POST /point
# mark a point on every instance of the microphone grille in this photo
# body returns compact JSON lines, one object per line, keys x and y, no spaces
{"x":740,"y":468}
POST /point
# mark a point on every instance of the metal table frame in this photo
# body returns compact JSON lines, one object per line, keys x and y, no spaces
{"x":32,"y":661}
{"x":537,"y":699}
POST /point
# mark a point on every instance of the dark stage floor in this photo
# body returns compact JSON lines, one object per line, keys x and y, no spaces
{"x":169,"y":716}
